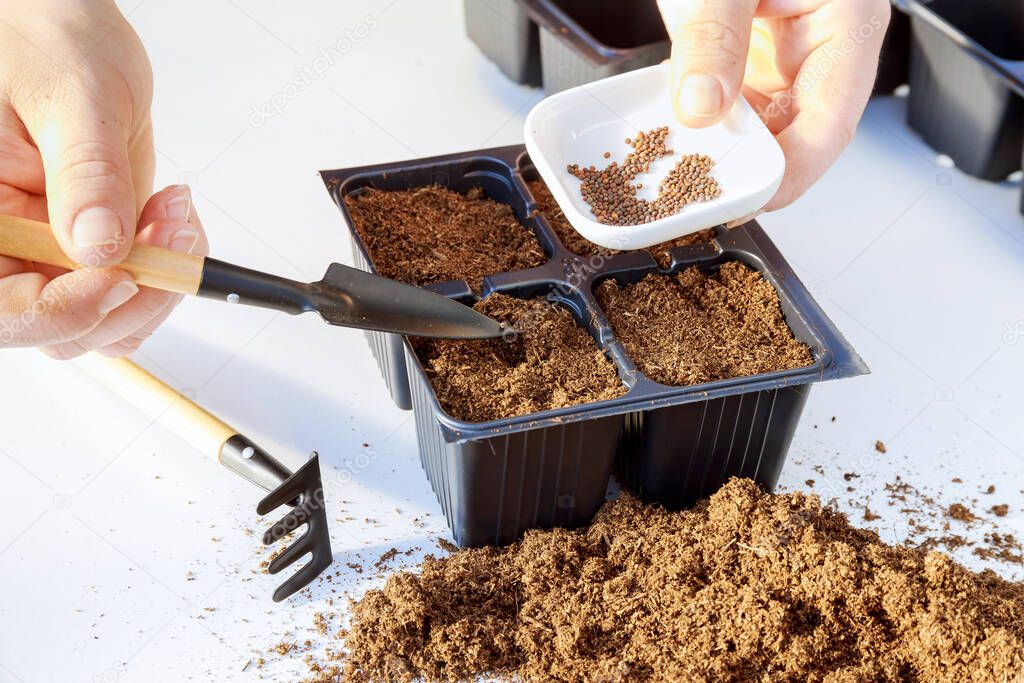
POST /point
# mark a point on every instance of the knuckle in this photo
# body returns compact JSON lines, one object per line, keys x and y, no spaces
{"x":94,"y":163}
{"x":65,"y":351}
{"x":710,"y":38}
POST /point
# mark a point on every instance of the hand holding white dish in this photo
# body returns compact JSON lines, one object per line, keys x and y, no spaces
{"x":580,"y":125}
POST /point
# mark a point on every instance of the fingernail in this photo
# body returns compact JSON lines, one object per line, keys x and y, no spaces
{"x":179,"y":207}
{"x":95,"y":226}
{"x":700,"y":96}
{"x":183,"y":241}
{"x":117,"y":296}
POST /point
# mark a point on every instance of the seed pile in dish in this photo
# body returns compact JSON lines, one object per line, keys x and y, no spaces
{"x":612,"y":195}
{"x":578,"y":244}
{"x":695,"y":327}
{"x":433,"y":234}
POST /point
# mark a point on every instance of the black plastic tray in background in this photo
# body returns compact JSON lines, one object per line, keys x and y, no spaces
{"x":506,"y":35}
{"x":586,"y":40}
{"x":894,"y":59}
{"x":966,"y":64}
{"x":670,"y":445}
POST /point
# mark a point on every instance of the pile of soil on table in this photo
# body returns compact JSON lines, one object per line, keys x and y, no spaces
{"x":433,"y":234}
{"x":746,"y":586}
{"x":695,"y":327}
{"x":578,"y":244}
{"x":550,"y":362}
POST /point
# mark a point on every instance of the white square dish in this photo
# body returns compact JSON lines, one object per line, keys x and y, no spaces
{"x":579,"y":125}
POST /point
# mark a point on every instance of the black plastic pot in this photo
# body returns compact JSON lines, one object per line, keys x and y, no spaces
{"x":506,"y":35}
{"x":967,"y":82}
{"x":670,"y":445}
{"x":894,"y":60}
{"x":586,"y":40}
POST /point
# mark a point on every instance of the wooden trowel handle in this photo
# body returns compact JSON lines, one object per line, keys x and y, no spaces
{"x":150,"y":266}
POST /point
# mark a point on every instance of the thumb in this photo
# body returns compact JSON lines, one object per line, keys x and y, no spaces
{"x":710,"y":41}
{"x":89,"y":188}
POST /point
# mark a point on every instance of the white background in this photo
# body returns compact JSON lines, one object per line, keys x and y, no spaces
{"x":106,"y":513}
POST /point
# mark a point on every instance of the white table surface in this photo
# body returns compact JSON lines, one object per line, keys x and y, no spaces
{"x":124,"y":555}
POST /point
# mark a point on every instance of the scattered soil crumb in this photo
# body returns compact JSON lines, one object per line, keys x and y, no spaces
{"x":950,"y":542}
{"x":957,"y":480}
{"x":696,"y":327}
{"x":880,"y":446}
{"x":746,"y":586}
{"x":870,"y":516}
{"x":283,"y":648}
{"x":960,"y":513}
{"x":550,"y":362}
{"x":578,"y":244}
{"x":991,"y":489}
{"x":913,"y":501}
{"x":265,"y":564}
{"x":1000,"y":510}
{"x":1002,"y":547}
{"x":447,"y":546}
{"x":433,"y":234}
{"x":385,"y":557}
{"x":810,"y":482}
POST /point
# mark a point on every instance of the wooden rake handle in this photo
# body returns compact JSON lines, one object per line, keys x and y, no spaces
{"x":201,"y":429}
{"x":150,"y":266}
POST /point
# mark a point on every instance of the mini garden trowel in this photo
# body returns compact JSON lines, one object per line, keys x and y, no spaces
{"x":345,"y":296}
{"x":302,"y":489}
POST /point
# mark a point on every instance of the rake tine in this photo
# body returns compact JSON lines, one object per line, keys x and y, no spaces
{"x":306,"y":486}
{"x":276,"y":498}
{"x":302,"y":489}
{"x":303,"y":577}
{"x":286,"y":525}
{"x":293,"y":552}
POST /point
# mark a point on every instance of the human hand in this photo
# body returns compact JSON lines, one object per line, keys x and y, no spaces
{"x":70,"y":313}
{"x":76,"y":149}
{"x":806,"y":66}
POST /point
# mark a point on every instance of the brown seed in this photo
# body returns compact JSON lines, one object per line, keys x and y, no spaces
{"x":613,"y":197}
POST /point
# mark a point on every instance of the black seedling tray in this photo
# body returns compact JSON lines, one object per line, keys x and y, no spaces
{"x":507,"y":36}
{"x":967,"y":82}
{"x":586,"y":40}
{"x":670,"y":445}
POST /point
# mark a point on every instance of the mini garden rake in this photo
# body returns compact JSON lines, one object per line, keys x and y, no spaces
{"x":302,"y":489}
